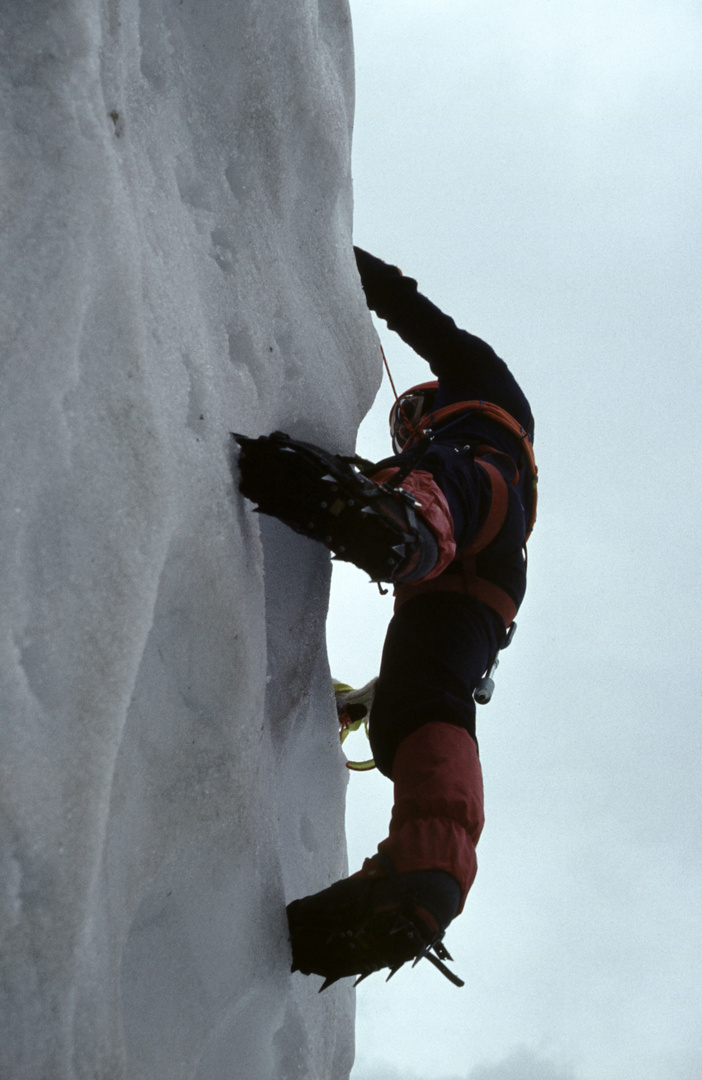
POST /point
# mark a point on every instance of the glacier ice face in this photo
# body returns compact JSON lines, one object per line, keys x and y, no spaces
{"x":176,"y":263}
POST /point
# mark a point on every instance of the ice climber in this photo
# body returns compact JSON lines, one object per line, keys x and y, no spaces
{"x":445,"y":519}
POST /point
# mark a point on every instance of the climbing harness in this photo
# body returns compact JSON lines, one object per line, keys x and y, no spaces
{"x":460,"y":409}
{"x":412,"y":423}
{"x":413,"y":426}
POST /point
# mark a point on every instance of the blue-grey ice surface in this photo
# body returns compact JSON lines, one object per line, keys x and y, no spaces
{"x":176,"y":263}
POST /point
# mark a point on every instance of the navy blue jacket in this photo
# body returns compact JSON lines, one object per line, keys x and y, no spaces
{"x":439,"y":644}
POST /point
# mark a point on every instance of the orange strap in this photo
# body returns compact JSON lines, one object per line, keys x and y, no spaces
{"x":466,"y":583}
{"x":501,"y":416}
{"x":487,"y":592}
{"x":498,"y":508}
{"x":493,"y":412}
{"x":462,"y":575}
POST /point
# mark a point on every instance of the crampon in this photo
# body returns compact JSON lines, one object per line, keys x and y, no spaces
{"x":328,"y":498}
{"x":366,"y":923}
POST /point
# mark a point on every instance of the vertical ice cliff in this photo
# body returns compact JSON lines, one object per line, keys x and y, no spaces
{"x":175,"y":263}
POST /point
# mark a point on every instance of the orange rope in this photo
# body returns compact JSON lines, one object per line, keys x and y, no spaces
{"x":416,"y":431}
{"x":387,"y":368}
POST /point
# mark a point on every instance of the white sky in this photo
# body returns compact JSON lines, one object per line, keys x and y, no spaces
{"x":536,"y":165}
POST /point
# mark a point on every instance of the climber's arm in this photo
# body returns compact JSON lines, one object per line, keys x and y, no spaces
{"x":451,"y":352}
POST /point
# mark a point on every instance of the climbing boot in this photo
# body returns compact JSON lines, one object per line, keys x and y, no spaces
{"x":328,"y":498}
{"x":398,"y":906}
{"x":373,"y":920}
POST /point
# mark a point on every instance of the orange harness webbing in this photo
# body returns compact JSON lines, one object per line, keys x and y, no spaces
{"x":502,"y":417}
{"x":462,"y":575}
{"x":498,"y":508}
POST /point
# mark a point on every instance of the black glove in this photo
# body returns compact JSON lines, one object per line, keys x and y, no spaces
{"x":379,"y":280}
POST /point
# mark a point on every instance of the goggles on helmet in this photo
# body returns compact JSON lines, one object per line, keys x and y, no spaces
{"x":407,"y":413}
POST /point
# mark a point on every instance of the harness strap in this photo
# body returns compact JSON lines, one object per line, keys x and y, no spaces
{"x":502,"y":417}
{"x":487,"y":592}
{"x":493,"y":412}
{"x":462,"y":575}
{"x":467,"y":584}
{"x":498,"y":508}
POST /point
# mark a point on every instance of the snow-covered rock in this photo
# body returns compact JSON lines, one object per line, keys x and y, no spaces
{"x":176,"y":263}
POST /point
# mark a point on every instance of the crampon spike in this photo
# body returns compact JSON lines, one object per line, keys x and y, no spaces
{"x":419,"y":957}
{"x":444,"y":970}
{"x":441,"y":951}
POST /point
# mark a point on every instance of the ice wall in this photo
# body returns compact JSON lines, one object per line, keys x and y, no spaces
{"x":176,"y":263}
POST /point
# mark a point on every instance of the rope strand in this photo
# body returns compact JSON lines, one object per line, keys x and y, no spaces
{"x":414,"y":430}
{"x":387,"y":368}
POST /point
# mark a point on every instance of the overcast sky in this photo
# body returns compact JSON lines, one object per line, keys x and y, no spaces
{"x":536,"y":165}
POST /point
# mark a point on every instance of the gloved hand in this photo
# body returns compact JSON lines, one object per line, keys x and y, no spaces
{"x":377,"y":277}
